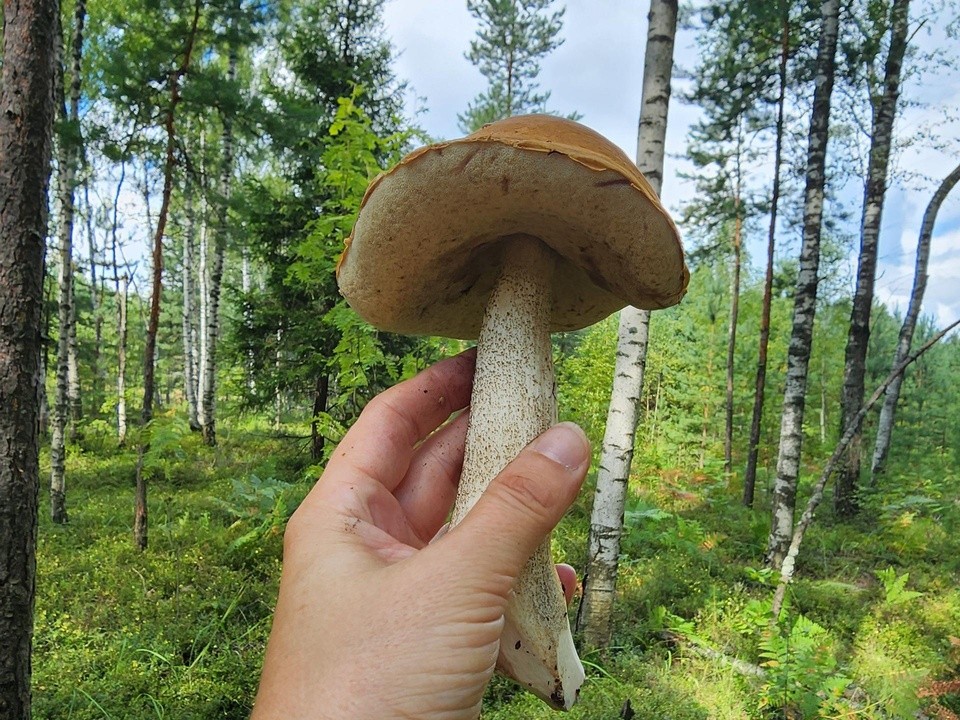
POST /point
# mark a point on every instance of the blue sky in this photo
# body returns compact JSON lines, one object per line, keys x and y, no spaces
{"x":597,"y":72}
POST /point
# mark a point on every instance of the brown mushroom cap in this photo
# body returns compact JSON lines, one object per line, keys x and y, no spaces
{"x":424,"y":253}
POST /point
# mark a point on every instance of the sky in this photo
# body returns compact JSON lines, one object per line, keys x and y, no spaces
{"x":597,"y":72}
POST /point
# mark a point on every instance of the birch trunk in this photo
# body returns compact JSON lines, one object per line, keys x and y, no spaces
{"x":96,"y":299}
{"x":209,"y":396}
{"x":67,"y":396}
{"x":120,"y":301}
{"x":732,"y":329}
{"x":203,"y":278}
{"x":606,"y":521}
{"x":805,"y":298}
{"x":30,"y":29}
{"x":246,"y":286}
{"x":153,"y":322}
{"x":122,"y":292}
{"x":756,"y":419}
{"x":189,"y":379}
{"x":854,"y":370}
{"x":889,"y":410}
{"x":789,"y":562}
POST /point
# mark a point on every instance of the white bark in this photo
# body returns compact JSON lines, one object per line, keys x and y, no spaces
{"x":889,"y":410}
{"x":203,"y":335}
{"x":122,"y":291}
{"x":805,"y":298}
{"x":875,"y":190}
{"x":187,"y":319}
{"x":606,"y":520}
{"x":68,"y":381}
{"x":246,"y":286}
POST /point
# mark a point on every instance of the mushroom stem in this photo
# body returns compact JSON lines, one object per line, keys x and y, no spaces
{"x":513,"y":401}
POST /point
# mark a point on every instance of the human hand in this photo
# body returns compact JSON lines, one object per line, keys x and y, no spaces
{"x":375,"y":621}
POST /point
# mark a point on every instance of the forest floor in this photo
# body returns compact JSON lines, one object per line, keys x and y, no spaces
{"x":871,"y":629}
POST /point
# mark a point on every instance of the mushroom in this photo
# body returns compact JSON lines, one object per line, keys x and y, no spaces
{"x":531,"y":225}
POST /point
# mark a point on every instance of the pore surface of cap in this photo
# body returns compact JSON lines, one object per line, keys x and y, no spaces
{"x":425,"y":250}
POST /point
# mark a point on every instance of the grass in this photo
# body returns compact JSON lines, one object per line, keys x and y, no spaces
{"x":178,"y":631}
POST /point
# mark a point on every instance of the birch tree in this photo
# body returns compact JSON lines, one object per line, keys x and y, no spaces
{"x":884,"y":107}
{"x":153,"y":323}
{"x":606,"y":520}
{"x":188,"y":313}
{"x":26,"y":127}
{"x":67,"y":378}
{"x":805,"y":296}
{"x":207,"y":399}
{"x":892,"y":395}
{"x":756,"y":417}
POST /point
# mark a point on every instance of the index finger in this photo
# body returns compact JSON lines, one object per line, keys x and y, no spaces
{"x":381,"y":442}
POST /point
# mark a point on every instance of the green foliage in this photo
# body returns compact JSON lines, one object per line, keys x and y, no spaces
{"x":895,"y":588}
{"x":802,"y":671}
{"x":514,"y":36}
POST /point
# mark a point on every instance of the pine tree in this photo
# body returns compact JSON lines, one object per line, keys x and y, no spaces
{"x":26,"y":128}
{"x":513,"y":37}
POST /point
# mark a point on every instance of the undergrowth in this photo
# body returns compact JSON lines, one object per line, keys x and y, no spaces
{"x":871,"y":628}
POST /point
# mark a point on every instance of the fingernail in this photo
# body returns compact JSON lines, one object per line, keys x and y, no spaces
{"x":564,"y":443}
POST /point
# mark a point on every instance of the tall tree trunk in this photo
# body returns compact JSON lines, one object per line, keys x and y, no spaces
{"x":756,"y":420}
{"x":120,"y":299}
{"x":889,"y":410}
{"x":203,"y":281}
{"x":606,"y":520}
{"x":122,"y":293}
{"x":789,"y":561}
{"x":277,"y":390}
{"x":67,"y":379}
{"x":153,"y":323}
{"x":209,"y":398}
{"x":246,"y":286}
{"x":189,"y":380}
{"x":96,"y":298}
{"x":732,"y":327}
{"x":855,"y":364}
{"x":74,"y":398}
{"x":26,"y":128}
{"x":805,"y":299}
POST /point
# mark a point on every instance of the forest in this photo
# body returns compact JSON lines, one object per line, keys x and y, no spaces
{"x":778,"y":453}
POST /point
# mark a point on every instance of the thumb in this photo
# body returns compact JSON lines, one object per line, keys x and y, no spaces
{"x":523,"y":504}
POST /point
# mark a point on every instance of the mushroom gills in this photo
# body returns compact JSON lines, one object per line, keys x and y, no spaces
{"x":514,"y":401}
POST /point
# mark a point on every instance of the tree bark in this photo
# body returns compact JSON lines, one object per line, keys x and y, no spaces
{"x":805,"y":298}
{"x":246,"y":286}
{"x":788,"y":564}
{"x":96,"y":298}
{"x":153,"y":322}
{"x":209,"y":397}
{"x":606,"y":521}
{"x":189,"y":380}
{"x":26,"y":129}
{"x":753,"y":447}
{"x":120,"y":300}
{"x":855,"y":363}
{"x":732,"y":328}
{"x":67,"y":396}
{"x":888,"y":411}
